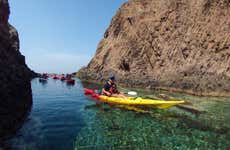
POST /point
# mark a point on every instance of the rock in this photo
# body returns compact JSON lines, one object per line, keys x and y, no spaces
{"x":15,"y":91}
{"x":178,"y":45}
{"x":165,"y":97}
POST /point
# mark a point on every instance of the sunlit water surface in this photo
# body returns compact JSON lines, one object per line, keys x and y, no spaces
{"x":62,"y":117}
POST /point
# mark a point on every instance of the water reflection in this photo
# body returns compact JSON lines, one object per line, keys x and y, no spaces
{"x":90,"y":85}
{"x":13,"y":118}
{"x":55,"y":119}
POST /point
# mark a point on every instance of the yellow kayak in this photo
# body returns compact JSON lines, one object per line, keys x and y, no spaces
{"x":133,"y":101}
{"x":140,"y":101}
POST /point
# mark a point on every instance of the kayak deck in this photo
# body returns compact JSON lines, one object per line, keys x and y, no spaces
{"x":133,"y":101}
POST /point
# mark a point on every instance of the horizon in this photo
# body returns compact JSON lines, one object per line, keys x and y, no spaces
{"x":53,"y":46}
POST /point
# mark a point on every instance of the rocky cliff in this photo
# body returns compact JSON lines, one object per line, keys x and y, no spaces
{"x":15,"y":91}
{"x":167,"y":44}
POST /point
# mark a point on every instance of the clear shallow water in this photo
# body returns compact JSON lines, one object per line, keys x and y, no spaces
{"x":63,"y":118}
{"x":56,"y":117}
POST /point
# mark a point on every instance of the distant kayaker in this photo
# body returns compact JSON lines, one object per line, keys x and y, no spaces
{"x":110,"y":89}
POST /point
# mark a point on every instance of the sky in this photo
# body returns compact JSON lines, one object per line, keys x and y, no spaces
{"x":61,"y":36}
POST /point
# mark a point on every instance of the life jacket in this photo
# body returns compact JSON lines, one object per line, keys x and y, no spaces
{"x":113,"y":89}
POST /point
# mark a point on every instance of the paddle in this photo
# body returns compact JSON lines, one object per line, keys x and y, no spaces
{"x":133,"y":93}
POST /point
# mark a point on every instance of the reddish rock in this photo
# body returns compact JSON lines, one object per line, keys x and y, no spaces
{"x":177,"y":45}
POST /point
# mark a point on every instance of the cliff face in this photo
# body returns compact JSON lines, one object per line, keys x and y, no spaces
{"x":15,"y":91}
{"x":167,"y":44}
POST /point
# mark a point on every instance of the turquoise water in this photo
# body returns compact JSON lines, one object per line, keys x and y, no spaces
{"x":63,"y":118}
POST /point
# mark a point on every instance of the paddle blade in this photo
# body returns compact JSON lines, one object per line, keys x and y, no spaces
{"x":133,"y":93}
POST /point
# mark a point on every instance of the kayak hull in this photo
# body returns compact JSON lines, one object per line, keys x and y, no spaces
{"x":71,"y":81}
{"x":133,"y":101}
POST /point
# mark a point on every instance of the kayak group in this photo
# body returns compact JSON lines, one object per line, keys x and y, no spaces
{"x":110,"y":93}
{"x":67,"y":78}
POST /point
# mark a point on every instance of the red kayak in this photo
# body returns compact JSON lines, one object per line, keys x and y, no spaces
{"x":70,"y":81}
{"x":55,"y":77}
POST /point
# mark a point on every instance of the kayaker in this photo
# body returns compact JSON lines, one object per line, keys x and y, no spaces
{"x":110,"y":89}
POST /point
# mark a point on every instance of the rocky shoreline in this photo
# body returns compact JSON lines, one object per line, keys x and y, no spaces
{"x":142,"y":87}
{"x":15,"y":77}
{"x":170,"y":45}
